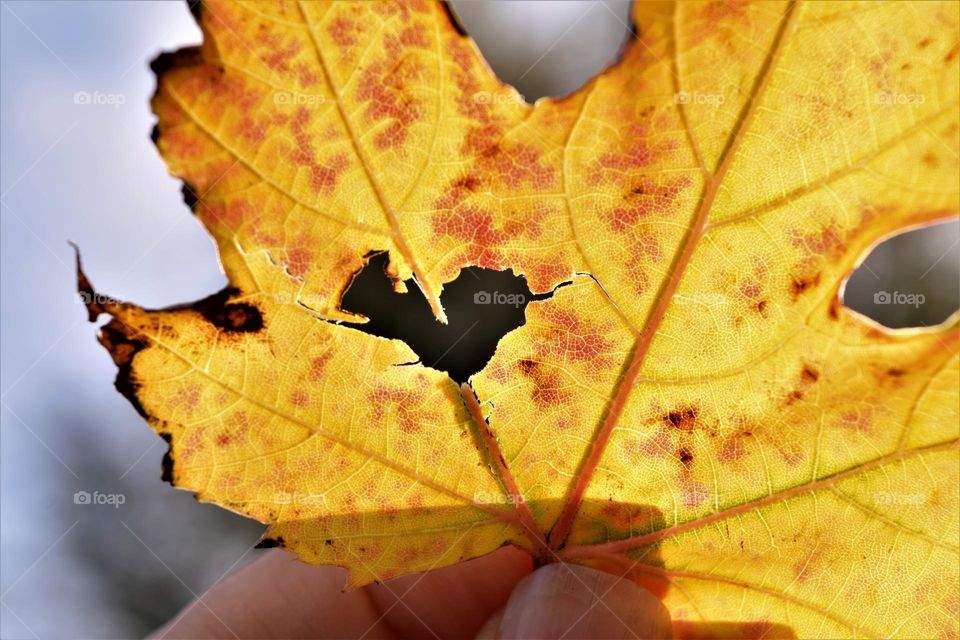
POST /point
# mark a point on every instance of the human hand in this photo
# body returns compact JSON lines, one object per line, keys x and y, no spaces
{"x":495,"y":596}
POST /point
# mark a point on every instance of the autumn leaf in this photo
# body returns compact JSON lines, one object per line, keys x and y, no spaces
{"x":697,"y":407}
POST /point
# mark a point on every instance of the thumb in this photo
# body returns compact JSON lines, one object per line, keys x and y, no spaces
{"x":573,"y":601}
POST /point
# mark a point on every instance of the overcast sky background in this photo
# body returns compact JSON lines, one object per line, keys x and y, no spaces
{"x":89,"y":173}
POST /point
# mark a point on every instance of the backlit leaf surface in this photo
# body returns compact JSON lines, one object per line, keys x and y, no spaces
{"x":697,"y":407}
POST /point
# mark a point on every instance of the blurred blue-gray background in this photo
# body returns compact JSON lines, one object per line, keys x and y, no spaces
{"x":76,"y":163}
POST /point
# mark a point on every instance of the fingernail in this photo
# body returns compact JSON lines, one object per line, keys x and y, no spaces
{"x":573,"y":601}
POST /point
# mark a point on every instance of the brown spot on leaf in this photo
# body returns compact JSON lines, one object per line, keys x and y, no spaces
{"x":733,"y":448}
{"x":452,"y":18}
{"x":647,"y":199}
{"x":750,"y":289}
{"x":167,"y":464}
{"x":794,"y":395}
{"x":235,"y":317}
{"x":299,"y":398}
{"x":270,"y":543}
{"x":892,"y":376}
{"x":318,"y":366}
{"x":947,"y":59}
{"x":806,"y":567}
{"x":548,"y":388}
{"x":188,"y":57}
{"x":123,"y":344}
{"x":834,"y":310}
{"x":468,"y":182}
{"x":343,"y":32}
{"x":682,"y":418}
{"x":800,"y":285}
{"x":857,"y":421}
{"x":403,"y":407}
{"x":383,"y":87}
{"x":278,"y":54}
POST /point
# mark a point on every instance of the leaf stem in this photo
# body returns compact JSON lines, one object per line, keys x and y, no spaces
{"x":561,"y":529}
{"x":627,"y":544}
{"x":541,"y":551}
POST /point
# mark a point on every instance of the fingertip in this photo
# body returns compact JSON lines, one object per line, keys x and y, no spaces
{"x":454,"y":601}
{"x":278,"y":596}
{"x":573,"y":601}
{"x":491,"y":629}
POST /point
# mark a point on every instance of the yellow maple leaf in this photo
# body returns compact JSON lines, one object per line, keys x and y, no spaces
{"x":696,"y":408}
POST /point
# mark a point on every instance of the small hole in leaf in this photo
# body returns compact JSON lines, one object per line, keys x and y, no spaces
{"x":910,"y":280}
{"x":546,"y":48}
{"x":482,"y":306}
